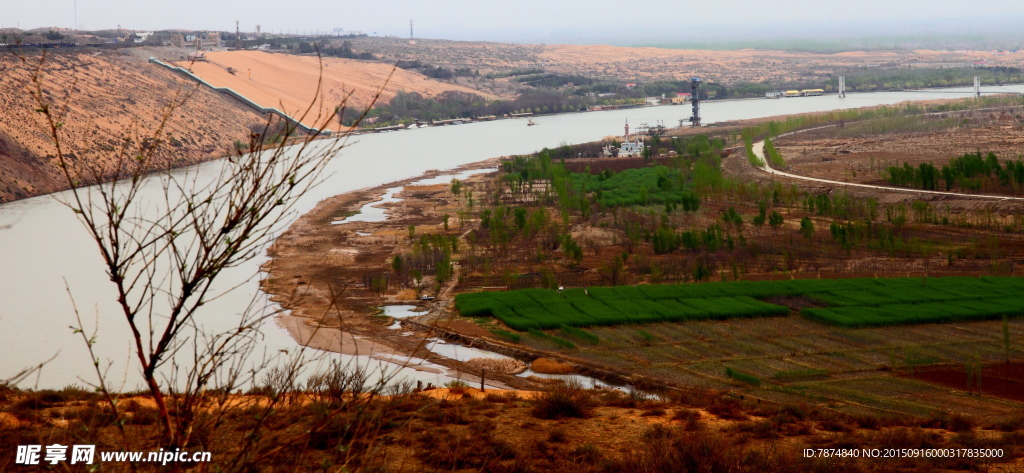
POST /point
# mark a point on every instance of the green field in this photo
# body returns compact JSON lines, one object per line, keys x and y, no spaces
{"x":846,"y":302}
{"x":642,"y":186}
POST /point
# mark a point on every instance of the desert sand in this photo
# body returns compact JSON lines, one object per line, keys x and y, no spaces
{"x":650,"y":63}
{"x":101,"y":98}
{"x":290,"y":82}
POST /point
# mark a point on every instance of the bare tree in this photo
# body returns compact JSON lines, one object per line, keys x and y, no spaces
{"x":163,"y":257}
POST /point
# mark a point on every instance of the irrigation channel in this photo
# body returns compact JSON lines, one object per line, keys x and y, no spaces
{"x":43,"y":246}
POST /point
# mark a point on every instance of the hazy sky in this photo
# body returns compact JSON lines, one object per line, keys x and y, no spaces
{"x":518,"y":20}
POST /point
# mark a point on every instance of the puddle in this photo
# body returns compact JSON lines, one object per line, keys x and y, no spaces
{"x":438,"y":375}
{"x":400,"y":312}
{"x":417,"y":364}
{"x":585,"y":381}
{"x":460,"y":352}
{"x":361,"y":233}
{"x":371,"y":212}
{"x":447,"y":178}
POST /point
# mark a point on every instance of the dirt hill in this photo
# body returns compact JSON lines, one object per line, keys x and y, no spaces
{"x":650,"y":63}
{"x":107,"y":95}
{"x":289,"y":82}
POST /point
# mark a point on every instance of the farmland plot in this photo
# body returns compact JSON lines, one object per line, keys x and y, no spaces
{"x":865,"y":302}
{"x":848,"y":360}
{"x":851,"y":368}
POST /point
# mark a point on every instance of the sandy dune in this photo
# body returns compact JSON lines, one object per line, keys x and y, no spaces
{"x":107,"y":96}
{"x":289,"y":82}
{"x":743,"y":65}
{"x":649,"y":63}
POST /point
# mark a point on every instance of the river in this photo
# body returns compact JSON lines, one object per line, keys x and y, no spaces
{"x":45,"y":245}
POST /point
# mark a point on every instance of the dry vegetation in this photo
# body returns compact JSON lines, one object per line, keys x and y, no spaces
{"x":463,"y":429}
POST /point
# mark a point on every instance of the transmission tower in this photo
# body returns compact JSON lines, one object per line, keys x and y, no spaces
{"x":842,"y":87}
{"x":238,"y":36}
{"x":695,"y":98}
{"x":412,"y":39}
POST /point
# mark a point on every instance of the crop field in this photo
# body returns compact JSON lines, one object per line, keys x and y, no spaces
{"x":867,"y":350}
{"x":642,"y":186}
{"x":867,"y":302}
{"x":544,"y":309}
{"x":855,"y":370}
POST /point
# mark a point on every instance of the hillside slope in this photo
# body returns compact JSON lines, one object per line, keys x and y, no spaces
{"x":113,"y":95}
{"x":289,"y":82}
{"x":109,"y":95}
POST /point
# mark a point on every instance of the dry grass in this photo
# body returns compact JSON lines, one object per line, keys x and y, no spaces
{"x":413,"y":432}
{"x":550,"y":366}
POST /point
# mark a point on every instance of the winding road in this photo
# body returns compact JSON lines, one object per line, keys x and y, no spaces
{"x":759,"y":152}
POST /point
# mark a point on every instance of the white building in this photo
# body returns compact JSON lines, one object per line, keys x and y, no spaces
{"x":629,"y":148}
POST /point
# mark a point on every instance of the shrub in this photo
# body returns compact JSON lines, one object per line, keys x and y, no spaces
{"x":743,"y":377}
{"x":457,"y":386}
{"x":502,"y":397}
{"x":568,"y":400}
{"x":561,"y":342}
{"x":581,"y":335}
{"x":1010,"y":424}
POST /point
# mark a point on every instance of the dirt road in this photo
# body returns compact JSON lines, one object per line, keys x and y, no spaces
{"x":759,"y":152}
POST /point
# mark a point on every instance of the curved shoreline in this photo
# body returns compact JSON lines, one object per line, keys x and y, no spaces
{"x":329,"y":309}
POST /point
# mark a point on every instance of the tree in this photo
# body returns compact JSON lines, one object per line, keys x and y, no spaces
{"x":613,"y":270}
{"x":572,"y":249}
{"x":163,"y":267}
{"x":807,"y":228}
{"x":520,"y":217}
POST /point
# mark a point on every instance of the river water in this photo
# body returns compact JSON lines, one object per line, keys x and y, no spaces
{"x":44,"y":246}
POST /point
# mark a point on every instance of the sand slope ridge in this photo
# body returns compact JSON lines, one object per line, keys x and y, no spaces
{"x":107,"y":96}
{"x":289,"y":82}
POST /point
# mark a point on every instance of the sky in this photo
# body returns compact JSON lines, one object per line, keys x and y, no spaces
{"x":529,"y":21}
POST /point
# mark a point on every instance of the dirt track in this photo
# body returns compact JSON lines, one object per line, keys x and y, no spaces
{"x":759,"y":151}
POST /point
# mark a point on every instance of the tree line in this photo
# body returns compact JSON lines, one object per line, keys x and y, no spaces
{"x":970,"y":171}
